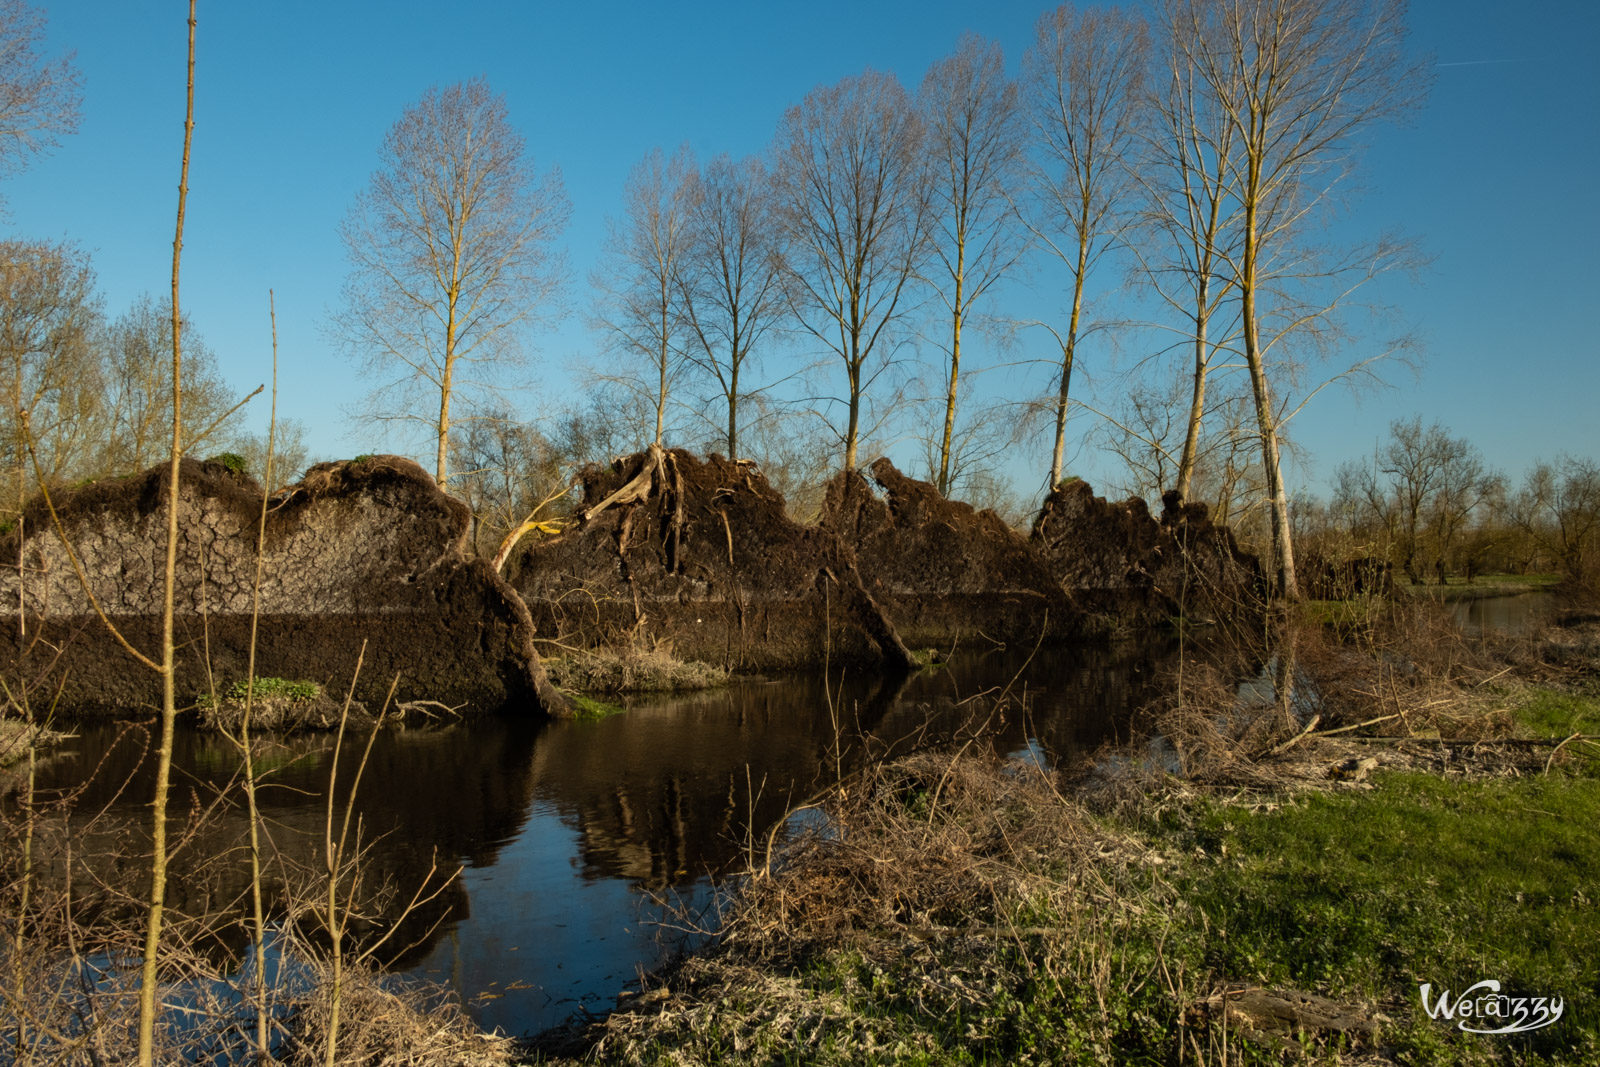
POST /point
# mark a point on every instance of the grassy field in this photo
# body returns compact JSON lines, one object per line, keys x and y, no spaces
{"x":1482,"y":586}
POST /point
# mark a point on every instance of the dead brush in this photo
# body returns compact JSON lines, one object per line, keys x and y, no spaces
{"x":1406,"y":669}
{"x":631,"y":665}
{"x":940,"y":894}
{"x":382,"y":1022}
{"x":920,"y":846}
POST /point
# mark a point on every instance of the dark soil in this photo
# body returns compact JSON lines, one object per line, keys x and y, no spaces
{"x":702,"y":558}
{"x":366,"y":554}
{"x":1122,"y":563}
{"x":945,"y":572}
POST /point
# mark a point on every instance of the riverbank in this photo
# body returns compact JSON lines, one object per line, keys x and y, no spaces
{"x":1483,"y":586}
{"x":1271,"y":847}
{"x":1278,"y":872}
{"x":970,"y":909}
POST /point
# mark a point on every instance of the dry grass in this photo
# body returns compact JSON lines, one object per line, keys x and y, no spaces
{"x":17,"y":736}
{"x":383,"y":1024}
{"x":961,"y":888}
{"x":631,"y":668}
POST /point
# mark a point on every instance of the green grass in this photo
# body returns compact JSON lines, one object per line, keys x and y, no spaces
{"x":269,"y":688}
{"x":1367,"y":895}
{"x":1546,"y":712}
{"x":277,"y":687}
{"x":590,"y":708}
{"x":232,"y":461}
{"x":1360,"y":895}
{"x":1484,"y":585}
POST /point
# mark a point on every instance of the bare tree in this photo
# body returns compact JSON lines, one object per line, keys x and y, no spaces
{"x":1185,"y":171}
{"x":731,"y":285}
{"x":1559,"y":510}
{"x":39,"y":98}
{"x":149,"y":998}
{"x":851,"y":197}
{"x":452,"y":254}
{"x":1227,"y":472}
{"x":1083,"y":80}
{"x":1299,"y":82}
{"x":975,"y":143}
{"x":49,"y":373}
{"x":1141,"y":431}
{"x":506,"y":471}
{"x":280,"y":455}
{"x":640,"y":280}
{"x":138,"y":383}
{"x":1416,"y":494}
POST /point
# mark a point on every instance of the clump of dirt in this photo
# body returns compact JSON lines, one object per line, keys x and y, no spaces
{"x":1120,"y":562}
{"x":632,"y":669}
{"x":945,"y":572}
{"x":363,"y":560}
{"x":278,"y":705}
{"x":701,"y":554}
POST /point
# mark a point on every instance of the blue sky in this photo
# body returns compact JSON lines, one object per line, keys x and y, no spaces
{"x":1494,"y":177}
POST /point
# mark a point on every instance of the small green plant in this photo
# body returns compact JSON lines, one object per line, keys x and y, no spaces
{"x":590,"y":708}
{"x":1548,"y":712}
{"x":233,"y":462}
{"x":280,"y":688}
{"x":361,"y":458}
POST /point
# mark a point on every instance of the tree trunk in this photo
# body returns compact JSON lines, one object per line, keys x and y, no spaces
{"x":661,"y":392}
{"x":148,"y":999}
{"x":1284,"y":587}
{"x":1197,"y":403}
{"x":851,"y":428}
{"x":733,"y":404}
{"x":1069,"y":352}
{"x":442,"y":462}
{"x":956,"y":316}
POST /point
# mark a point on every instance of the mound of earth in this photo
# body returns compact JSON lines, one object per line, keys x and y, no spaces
{"x":366,"y":555}
{"x":1120,"y":562}
{"x":700,"y":557}
{"x":945,"y":572}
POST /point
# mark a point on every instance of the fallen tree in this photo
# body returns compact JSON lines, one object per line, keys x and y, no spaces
{"x":945,"y":572}
{"x":367,"y":553}
{"x":701,"y":556}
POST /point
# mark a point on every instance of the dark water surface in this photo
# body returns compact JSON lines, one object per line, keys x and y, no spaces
{"x":567,"y":833}
{"x":1513,"y":614}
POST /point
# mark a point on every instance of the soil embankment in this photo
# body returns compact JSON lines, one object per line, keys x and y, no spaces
{"x":945,"y":572}
{"x":670,"y":555}
{"x":1128,"y":568}
{"x":367,"y":552}
{"x":700,"y":556}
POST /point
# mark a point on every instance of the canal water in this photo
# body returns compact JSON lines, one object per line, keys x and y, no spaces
{"x":581,"y":847}
{"x":574,"y":855}
{"x":1512,"y":614}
